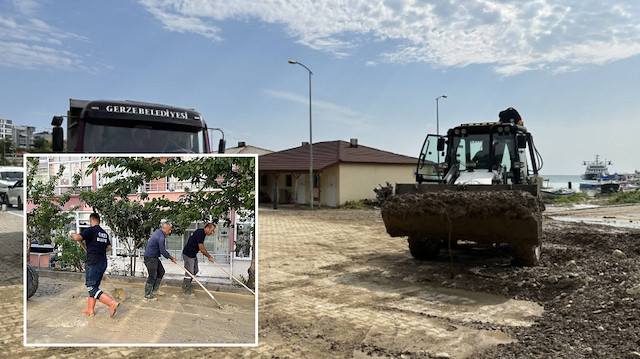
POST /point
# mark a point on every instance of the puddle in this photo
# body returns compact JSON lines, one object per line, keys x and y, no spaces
{"x":552,"y":209}
{"x":613,"y":222}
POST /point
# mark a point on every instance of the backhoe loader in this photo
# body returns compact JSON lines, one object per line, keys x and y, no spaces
{"x":478,"y":183}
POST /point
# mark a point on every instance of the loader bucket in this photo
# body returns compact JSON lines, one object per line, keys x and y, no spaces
{"x":505,"y":216}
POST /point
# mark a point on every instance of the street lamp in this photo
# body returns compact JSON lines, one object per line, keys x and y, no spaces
{"x":437,"y":115}
{"x":310,"y":135}
{"x":438,"y":129}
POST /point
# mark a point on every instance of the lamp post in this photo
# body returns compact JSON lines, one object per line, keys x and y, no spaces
{"x":310,"y":136}
{"x":438,"y":128}
{"x":437,"y":114}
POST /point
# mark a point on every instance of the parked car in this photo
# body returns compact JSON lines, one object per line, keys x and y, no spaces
{"x":15,"y":195}
{"x":9,"y":175}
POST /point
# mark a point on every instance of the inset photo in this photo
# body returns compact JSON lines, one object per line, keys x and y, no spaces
{"x":140,"y":250}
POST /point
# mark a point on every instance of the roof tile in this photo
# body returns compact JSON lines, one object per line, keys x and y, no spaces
{"x":327,"y":154}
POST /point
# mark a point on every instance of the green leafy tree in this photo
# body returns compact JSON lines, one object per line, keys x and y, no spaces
{"x":232,"y":187}
{"x":70,"y":254}
{"x":47,"y":221}
{"x":132,"y":220}
{"x":5,"y":150}
{"x":41,"y":146}
{"x":218,"y":185}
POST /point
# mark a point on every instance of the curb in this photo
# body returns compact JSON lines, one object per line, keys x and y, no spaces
{"x":170,"y":281}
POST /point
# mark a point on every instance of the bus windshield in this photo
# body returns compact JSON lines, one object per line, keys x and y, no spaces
{"x":99,"y":138}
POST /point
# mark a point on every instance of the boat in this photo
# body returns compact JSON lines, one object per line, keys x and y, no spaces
{"x":595,"y":169}
{"x":553,"y":193}
{"x":609,"y":183}
{"x":610,"y":187}
{"x":591,"y":178}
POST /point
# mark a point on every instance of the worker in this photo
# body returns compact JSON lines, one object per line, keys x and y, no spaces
{"x":194,"y":245}
{"x":482,"y":157}
{"x":155,"y":248}
{"x":97,"y":245}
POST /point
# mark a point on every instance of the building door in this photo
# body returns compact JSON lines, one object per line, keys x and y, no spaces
{"x":302,"y":193}
{"x":332,"y":191}
{"x":221,"y":244}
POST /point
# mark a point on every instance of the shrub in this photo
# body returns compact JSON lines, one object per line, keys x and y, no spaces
{"x":574,"y":198}
{"x":625,"y":197}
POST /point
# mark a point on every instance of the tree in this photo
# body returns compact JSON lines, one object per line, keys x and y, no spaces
{"x":41,"y":145}
{"x":233,"y":176}
{"x":132,"y":221}
{"x":5,"y":149}
{"x":47,"y":221}
{"x":218,"y":186}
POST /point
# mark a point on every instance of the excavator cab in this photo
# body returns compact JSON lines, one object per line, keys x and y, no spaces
{"x":432,"y":164}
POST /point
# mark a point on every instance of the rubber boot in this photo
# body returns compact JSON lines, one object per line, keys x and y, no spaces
{"x":148,"y":288}
{"x":186,"y":286}
{"x":110,"y":302}
{"x":90,"y":305}
{"x":156,"y":287}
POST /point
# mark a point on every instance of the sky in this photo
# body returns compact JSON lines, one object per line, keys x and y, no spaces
{"x":570,"y":67}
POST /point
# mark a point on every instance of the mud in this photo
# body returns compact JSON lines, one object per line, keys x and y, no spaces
{"x":456,"y":204}
{"x":53,"y":317}
{"x":334,"y":284}
{"x":491,"y":216}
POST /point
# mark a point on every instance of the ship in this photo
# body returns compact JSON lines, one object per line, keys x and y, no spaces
{"x":596,"y":176}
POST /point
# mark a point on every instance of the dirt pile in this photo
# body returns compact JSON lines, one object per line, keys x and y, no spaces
{"x":589,"y":285}
{"x":487,"y":216}
{"x":458,"y":204}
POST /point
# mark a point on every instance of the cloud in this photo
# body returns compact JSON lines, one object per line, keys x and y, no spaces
{"x":510,"y":35}
{"x":17,"y":54}
{"x":28,"y":42}
{"x":177,"y":21}
{"x":325,"y":111}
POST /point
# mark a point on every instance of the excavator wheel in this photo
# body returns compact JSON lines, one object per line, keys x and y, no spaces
{"x":423,"y":249}
{"x":527,"y":255}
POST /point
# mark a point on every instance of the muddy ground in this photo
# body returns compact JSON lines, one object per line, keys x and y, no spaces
{"x":53,"y":316}
{"x":333,"y":284}
{"x":348,"y":289}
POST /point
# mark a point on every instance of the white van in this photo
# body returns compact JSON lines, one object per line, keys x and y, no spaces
{"x":9,"y":175}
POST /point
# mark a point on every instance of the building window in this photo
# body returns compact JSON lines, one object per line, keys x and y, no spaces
{"x":289,"y":180}
{"x":264,"y":180}
{"x":316,"y":180}
{"x":243,"y":241}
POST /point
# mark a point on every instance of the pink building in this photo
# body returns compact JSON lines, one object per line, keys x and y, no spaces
{"x":228,"y":245}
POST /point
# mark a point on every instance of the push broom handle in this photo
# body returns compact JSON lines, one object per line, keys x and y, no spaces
{"x":242,"y":284}
{"x":197,"y":281}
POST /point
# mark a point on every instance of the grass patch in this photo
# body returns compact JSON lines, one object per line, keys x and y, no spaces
{"x":625,"y":197}
{"x":354,"y":204}
{"x":574,"y":198}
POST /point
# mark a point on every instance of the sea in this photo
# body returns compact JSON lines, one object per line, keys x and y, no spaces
{"x":562,"y":181}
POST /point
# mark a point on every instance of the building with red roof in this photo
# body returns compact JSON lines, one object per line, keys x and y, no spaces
{"x":343,"y":171}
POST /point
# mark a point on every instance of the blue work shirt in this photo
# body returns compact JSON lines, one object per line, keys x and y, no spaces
{"x":156,"y":246}
{"x":191,"y":248}
{"x":97,"y":242}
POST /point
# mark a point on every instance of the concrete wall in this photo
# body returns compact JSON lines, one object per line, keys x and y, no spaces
{"x":350,"y":182}
{"x":117,"y":266}
{"x":357,"y":181}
